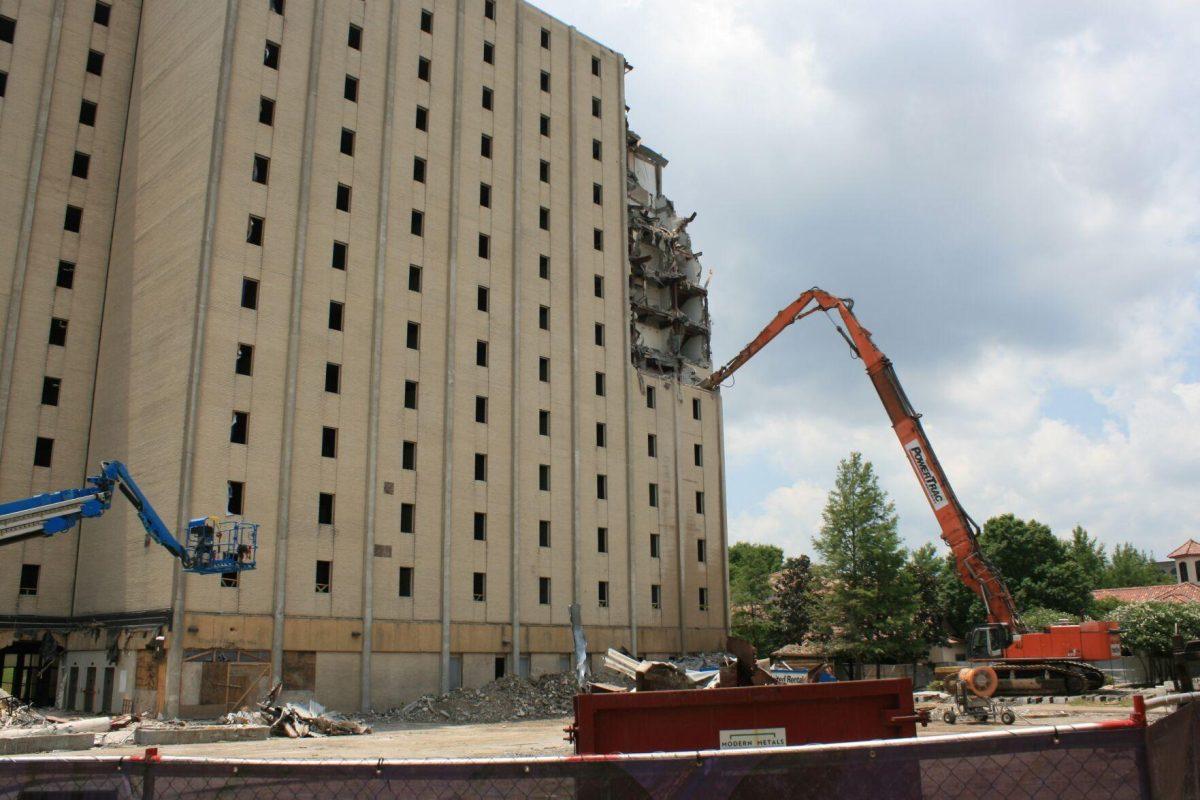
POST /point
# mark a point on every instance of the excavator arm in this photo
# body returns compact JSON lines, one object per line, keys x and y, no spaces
{"x":958,"y":529}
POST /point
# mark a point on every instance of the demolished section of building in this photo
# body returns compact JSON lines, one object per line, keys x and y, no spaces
{"x":669,"y":325}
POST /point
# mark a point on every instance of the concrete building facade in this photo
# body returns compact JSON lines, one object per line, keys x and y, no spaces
{"x":393,"y":280}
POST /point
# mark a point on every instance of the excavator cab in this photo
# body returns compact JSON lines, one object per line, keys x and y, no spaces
{"x":988,"y":642}
{"x":217,"y":545}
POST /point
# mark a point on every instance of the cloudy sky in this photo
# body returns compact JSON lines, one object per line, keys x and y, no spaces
{"x":1011,"y":194}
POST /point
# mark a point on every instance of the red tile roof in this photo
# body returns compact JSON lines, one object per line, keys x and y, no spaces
{"x":1189,"y":548}
{"x":1166,"y":593}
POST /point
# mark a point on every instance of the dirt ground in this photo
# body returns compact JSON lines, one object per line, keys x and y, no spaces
{"x":532,"y":738}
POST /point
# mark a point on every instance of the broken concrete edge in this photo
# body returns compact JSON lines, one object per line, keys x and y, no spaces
{"x":45,"y":743}
{"x":201,"y":734}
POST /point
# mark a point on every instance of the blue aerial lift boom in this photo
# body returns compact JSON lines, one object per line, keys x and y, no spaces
{"x":210,"y":544}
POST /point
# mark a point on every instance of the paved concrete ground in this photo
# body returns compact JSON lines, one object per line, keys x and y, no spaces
{"x":536,"y":738}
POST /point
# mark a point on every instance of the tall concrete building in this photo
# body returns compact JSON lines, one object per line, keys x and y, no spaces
{"x":393,"y":280}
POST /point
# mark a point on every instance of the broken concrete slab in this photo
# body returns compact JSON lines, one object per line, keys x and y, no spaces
{"x":201,"y":734}
{"x":660,"y":675}
{"x":18,"y":744}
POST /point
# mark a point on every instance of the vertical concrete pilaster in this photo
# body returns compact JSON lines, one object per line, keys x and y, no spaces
{"x":517,"y":406}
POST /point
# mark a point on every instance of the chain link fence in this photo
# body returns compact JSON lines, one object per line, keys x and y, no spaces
{"x":1083,"y":761}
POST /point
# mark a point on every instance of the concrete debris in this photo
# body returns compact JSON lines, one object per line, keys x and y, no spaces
{"x":655,"y":676}
{"x":693,"y":672}
{"x":508,"y":699}
{"x":296,"y":720}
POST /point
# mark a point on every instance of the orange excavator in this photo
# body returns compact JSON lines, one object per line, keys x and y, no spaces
{"x":1013,"y":659}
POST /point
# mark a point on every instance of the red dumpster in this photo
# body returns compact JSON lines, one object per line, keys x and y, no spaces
{"x":752,"y":716}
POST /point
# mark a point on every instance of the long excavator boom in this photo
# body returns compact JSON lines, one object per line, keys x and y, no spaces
{"x":958,"y":529}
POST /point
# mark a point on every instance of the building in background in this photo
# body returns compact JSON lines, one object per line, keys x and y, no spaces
{"x":393,"y":280}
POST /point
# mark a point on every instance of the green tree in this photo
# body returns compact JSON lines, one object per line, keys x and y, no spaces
{"x":792,"y":612}
{"x":1035,"y":564}
{"x":962,"y":609}
{"x":1131,"y":567}
{"x":1088,"y":554}
{"x":750,"y":569}
{"x":925,"y":568}
{"x":868,"y":604}
{"x":1038,"y":618}
{"x":1147,"y":629}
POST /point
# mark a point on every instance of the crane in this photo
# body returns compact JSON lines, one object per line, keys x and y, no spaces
{"x":1015,"y":659}
{"x":210,"y":543}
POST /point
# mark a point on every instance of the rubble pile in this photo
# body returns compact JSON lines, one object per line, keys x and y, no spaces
{"x":295,"y":720}
{"x":15,"y":714}
{"x":505,"y":700}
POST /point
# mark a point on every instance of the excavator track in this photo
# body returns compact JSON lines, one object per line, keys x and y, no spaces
{"x":1046,"y":677}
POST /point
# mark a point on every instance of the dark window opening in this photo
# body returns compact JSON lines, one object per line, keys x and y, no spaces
{"x":249,"y":293}
{"x":601,"y":435}
{"x":95,"y":62}
{"x":543,"y":533}
{"x":485,"y":146}
{"x":544,"y":369}
{"x":485,"y":248}
{"x":276,"y":6}
{"x":652,"y":445}
{"x":66,"y":275}
{"x":324,"y":577}
{"x":489,"y":53}
{"x":597,"y":239}
{"x":602,"y":594}
{"x":481,"y":408}
{"x":599,"y":334}
{"x":698,"y":454}
{"x":654,"y":495}
{"x":654,"y":545}
{"x":80,"y":165}
{"x":703,"y":597}
{"x":271,"y":55}
{"x":595,"y":106}
{"x":487,"y":99}
{"x":101,"y":14}
{"x":329,"y":437}
{"x":324,"y":508}
{"x":597,"y":194}
{"x":239,"y":428}
{"x":649,"y":397}
{"x":544,"y":125}
{"x":544,"y":218}
{"x":408,"y":518}
{"x":408,"y":455}
{"x":543,"y":422}
{"x":545,"y":38}
{"x":346,"y":145}
{"x":29,"y":579}
{"x":544,"y":317}
{"x":479,"y":586}
{"x":423,"y":68}
{"x":340,"y":253}
{"x":485,"y":195}
{"x":695,"y":408}
{"x":417,"y":225}
{"x":244,"y":363}
{"x":596,"y":149}
{"x":8,"y":29}
{"x":58,"y":332}
{"x":598,"y":285}
{"x":410,"y":394}
{"x":354,"y":37}
{"x":336,"y":315}
{"x":701,"y":551}
{"x":600,"y":384}
{"x":418,"y":169}
{"x":655,"y":596}
{"x":350,"y":89}
{"x":481,"y":353}
{"x":50,"y":390}
{"x":343,"y":197}
{"x":412,"y":336}
{"x":43,"y":452}
{"x":544,"y":171}
{"x":422,"y":120}
{"x":333,"y":377}
{"x":489,"y":9}
{"x":699,"y":502}
{"x":229,"y":580}
{"x":545,"y":81}
{"x":426,"y":21}
{"x":414,"y":278}
{"x":481,"y":467}
{"x":266,"y":111}
{"x":601,"y":540}
{"x":544,"y":267}
{"x":254,"y":230}
{"x":595,"y":66}
{"x":235,"y":497}
{"x":544,"y":477}
{"x":544,"y":591}
{"x":480,"y":526}
{"x":482,"y":298}
{"x":73,"y":220}
{"x":406,"y":581}
{"x":601,"y":487}
{"x":87,"y":112}
{"x":260,"y":168}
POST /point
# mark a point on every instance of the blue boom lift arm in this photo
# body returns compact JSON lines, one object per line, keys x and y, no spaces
{"x":210,"y":544}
